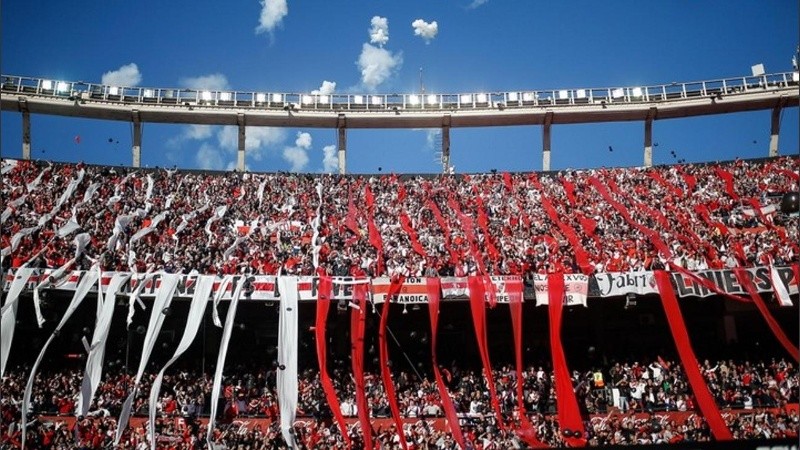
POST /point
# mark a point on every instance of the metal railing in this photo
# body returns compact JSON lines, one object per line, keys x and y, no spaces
{"x":81,"y":92}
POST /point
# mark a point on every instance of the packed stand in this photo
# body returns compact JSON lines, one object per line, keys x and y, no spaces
{"x":607,"y":220}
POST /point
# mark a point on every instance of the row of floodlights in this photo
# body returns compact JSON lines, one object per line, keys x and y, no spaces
{"x":413,"y":99}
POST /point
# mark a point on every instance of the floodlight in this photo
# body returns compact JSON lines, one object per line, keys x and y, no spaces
{"x":580,"y":93}
{"x":47,"y":84}
{"x":513,"y":97}
{"x":62,"y":86}
{"x":324,"y":99}
{"x":618,"y":93}
{"x":413,"y":99}
{"x":432,"y":99}
{"x":307,"y":100}
{"x":113,"y":90}
{"x":205,"y":95}
{"x":466,"y":98}
{"x":358,"y":99}
{"x":277,"y":98}
{"x":149,"y":93}
{"x":527,"y":96}
{"x":758,"y":70}
{"x":225,"y":96}
{"x":376,"y":100}
{"x":261,"y":98}
{"x":637,"y":92}
{"x":563,"y":94}
{"x":795,"y":77}
{"x":481,"y":98}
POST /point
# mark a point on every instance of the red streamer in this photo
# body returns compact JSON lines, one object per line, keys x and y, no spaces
{"x":477,"y":303}
{"x":357,"y":323}
{"x":386,"y":375}
{"x":324,"y":295}
{"x":728,"y":178}
{"x":569,"y":416}
{"x":746,"y":280}
{"x":434,"y":295}
{"x":675,"y":319}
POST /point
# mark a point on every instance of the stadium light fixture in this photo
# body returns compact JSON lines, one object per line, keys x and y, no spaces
{"x":482,"y":98}
{"x":513,"y":96}
{"x":206,"y":96}
{"x":261,"y":98}
{"x":795,"y":77}
{"x":47,"y":84}
{"x":637,"y":92}
{"x":758,"y":70}
{"x":113,"y":90}
{"x":563,"y":94}
{"x":466,"y":98}
{"x":307,"y":100}
{"x":149,"y":93}
{"x":432,"y":99}
{"x":580,"y":93}
{"x":358,"y":99}
{"x":225,"y":96}
{"x":62,"y":86}
{"x":277,"y":98}
{"x":376,"y":100}
{"x":527,"y":96}
{"x":618,"y":93}
{"x":413,"y":99}
{"x":324,"y":99}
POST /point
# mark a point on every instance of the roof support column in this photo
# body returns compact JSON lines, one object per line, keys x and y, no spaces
{"x":240,"y":165}
{"x":648,"y":137}
{"x":775,"y":130}
{"x":26,"y":134}
{"x":136,"y":148}
{"x":446,"y":145}
{"x":548,"y":122}
{"x":341,"y":143}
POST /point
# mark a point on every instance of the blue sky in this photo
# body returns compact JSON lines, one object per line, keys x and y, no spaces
{"x":490,"y":45}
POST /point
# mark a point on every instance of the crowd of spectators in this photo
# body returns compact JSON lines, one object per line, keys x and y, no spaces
{"x":609,"y":397}
{"x":606,"y":220}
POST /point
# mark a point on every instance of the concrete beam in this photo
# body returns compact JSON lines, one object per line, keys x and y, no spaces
{"x":26,"y":134}
{"x":548,"y":122}
{"x":341,"y":143}
{"x":648,"y":137}
{"x":775,"y":130}
{"x":136,"y":148}
{"x":240,"y":164}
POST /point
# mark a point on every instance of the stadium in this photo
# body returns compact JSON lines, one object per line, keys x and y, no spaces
{"x":186,"y":307}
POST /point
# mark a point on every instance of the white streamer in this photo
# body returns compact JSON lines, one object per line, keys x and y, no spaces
{"x":287,"y":357}
{"x":223,"y":286}
{"x":9,"y":312}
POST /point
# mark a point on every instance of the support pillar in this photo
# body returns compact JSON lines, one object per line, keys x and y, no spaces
{"x":240,"y":165}
{"x":136,"y":148}
{"x":648,"y":137}
{"x":548,"y":122}
{"x":446,"y":149}
{"x":26,"y":134}
{"x":775,"y":130}
{"x":341,"y":143}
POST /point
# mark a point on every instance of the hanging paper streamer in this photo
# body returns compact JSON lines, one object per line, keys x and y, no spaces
{"x":569,"y":416}
{"x":477,"y":303}
{"x":197,"y":309}
{"x":386,"y":375}
{"x":699,"y":388}
{"x":89,"y":278}
{"x":434,"y":295}
{"x":324,"y":294}
{"x":223,"y":353}
{"x":287,"y":357}
{"x":9,"y":311}
{"x":164,"y":294}
{"x":357,"y":324}
{"x":94,"y":361}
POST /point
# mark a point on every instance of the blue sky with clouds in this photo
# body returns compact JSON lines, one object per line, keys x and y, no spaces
{"x":360,"y":46}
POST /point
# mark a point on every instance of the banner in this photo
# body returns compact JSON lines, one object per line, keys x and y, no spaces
{"x":578,"y":286}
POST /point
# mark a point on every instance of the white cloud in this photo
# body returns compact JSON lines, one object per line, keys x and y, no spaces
{"x":327,"y":88}
{"x":127,"y":75}
{"x":297,"y":156}
{"x":208,"y":157}
{"x":191,"y":133}
{"x":377,"y":65}
{"x":330,"y":159}
{"x":425,"y":30}
{"x":477,"y":3}
{"x":379,"y":33}
{"x":272,"y":13}
{"x":211,"y":82}
{"x":256,"y":140}
{"x":430,"y":137}
{"x":232,"y":166}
